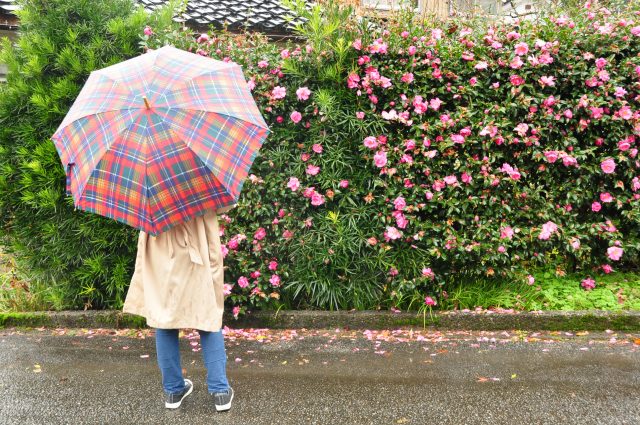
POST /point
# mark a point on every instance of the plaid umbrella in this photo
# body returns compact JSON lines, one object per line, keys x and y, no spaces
{"x":158,"y":139}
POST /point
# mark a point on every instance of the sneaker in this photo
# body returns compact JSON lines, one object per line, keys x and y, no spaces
{"x":223,"y":400}
{"x":173,"y":401}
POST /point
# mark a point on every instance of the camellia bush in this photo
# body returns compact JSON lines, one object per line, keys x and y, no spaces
{"x":409,"y":154}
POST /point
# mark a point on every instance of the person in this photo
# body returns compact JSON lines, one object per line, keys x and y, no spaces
{"x":178,"y":283}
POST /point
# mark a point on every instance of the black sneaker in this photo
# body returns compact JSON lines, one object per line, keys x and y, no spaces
{"x":173,"y":401}
{"x":223,"y":400}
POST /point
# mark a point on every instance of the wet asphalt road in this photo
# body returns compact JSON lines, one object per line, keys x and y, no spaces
{"x":329,"y":377}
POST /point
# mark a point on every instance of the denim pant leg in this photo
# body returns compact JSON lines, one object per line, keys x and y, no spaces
{"x":215,"y":360}
{"x":168,"y":352}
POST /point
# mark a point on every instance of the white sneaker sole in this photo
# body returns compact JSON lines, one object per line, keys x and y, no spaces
{"x":225,"y":407}
{"x":177,"y":404}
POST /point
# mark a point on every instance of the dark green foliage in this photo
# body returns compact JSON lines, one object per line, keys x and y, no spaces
{"x":88,"y":257}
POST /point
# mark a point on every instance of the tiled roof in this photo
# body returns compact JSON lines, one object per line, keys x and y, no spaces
{"x":256,"y":15}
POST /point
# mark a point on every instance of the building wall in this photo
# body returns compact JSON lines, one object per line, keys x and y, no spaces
{"x":443,"y":8}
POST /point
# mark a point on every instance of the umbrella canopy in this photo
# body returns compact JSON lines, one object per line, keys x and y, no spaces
{"x":158,"y":139}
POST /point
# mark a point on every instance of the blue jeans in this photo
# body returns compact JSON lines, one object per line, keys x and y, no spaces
{"x":213,"y":354}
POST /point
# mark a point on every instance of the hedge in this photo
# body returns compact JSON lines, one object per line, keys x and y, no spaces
{"x":406,"y":155}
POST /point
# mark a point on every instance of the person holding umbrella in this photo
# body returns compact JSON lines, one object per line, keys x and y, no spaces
{"x":163,"y":142}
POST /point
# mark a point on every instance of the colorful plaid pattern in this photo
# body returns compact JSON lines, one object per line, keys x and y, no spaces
{"x":154,"y":168}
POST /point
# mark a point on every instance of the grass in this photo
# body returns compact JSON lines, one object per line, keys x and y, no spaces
{"x":613,"y":292}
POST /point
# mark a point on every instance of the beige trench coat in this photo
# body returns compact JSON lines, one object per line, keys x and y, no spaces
{"x":178,"y":278}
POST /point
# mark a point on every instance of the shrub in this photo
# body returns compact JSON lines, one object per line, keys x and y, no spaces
{"x":83,"y":258}
{"x":428,"y":152}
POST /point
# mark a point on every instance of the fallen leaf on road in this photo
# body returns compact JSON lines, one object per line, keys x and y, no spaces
{"x":36,"y":368}
{"x":636,"y":341}
{"x":144,"y":356}
{"x":402,"y":421}
{"x":514,"y":376}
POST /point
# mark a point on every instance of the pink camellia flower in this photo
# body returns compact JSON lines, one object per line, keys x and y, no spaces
{"x":595,"y":206}
{"x":435,"y":104}
{"x":466,"y":178}
{"x":357,"y":44}
{"x":614,"y":253}
{"x":317,"y":199}
{"x":601,"y":63}
{"x":296,"y":117}
{"x":625,"y":113}
{"x":521,"y":49}
{"x":568,"y":113}
{"x":293,"y":183}
{"x":516,"y":63}
{"x":516,"y":80}
{"x":551,"y":156}
{"x":428,"y":273}
{"x":480,"y":66}
{"x":312,"y":170}
{"x":407,"y":78}
{"x":370,"y":142}
{"x":233,"y":244}
{"x":547,"y":81}
{"x":308,"y":192}
{"x":588,"y":284}
{"x":569,"y":161}
{"x":548,"y":229}
{"x":624,"y":145}
{"x":203,"y":37}
{"x":620,"y":92}
{"x":274,"y":280}
{"x":451,"y":180}
{"x":399,"y":203}
{"x":606,"y":197}
{"x":428,"y":195}
{"x":343,"y":184}
{"x":273,"y":265}
{"x":226,"y":289}
{"x":506,"y":232}
{"x":352,"y":80}
{"x":148,"y":30}
{"x":635,"y":184}
{"x":391,"y":233}
{"x":263,"y":64}
{"x":575,"y":243}
{"x":380,"y":159}
{"x":251,"y":83}
{"x":236,"y":311}
{"x":608,"y":166}
{"x":243,"y":282}
{"x":303,"y":93}
{"x":429,"y":301}
{"x":457,"y":138}
{"x":360,"y":115}
{"x":635,"y":31}
{"x":284,"y":54}
{"x":278,"y":92}
{"x":502,"y":249}
{"x":606,"y":268}
{"x":531,"y":280}
{"x":260,"y":234}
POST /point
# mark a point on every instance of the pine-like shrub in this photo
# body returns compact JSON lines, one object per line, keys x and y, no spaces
{"x":75,"y":259}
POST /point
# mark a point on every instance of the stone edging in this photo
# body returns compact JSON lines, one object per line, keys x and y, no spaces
{"x":450,"y":320}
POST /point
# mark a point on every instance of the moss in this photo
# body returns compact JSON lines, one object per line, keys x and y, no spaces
{"x":24,"y":319}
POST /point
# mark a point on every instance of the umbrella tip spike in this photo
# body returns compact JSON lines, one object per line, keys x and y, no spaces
{"x":146,"y":102}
